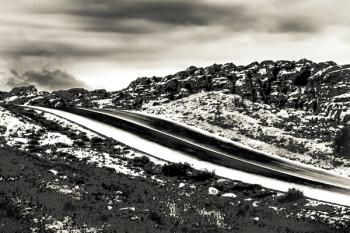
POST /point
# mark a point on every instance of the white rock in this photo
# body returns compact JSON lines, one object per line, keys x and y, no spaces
{"x":283,"y":114}
{"x":221,"y":180}
{"x":231,"y":195}
{"x":181,"y":185}
{"x":213,"y":191}
{"x":255,"y":204}
{"x":53,"y":171}
{"x":128,"y":208}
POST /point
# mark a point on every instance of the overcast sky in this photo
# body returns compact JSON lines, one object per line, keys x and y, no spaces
{"x":108,"y":43}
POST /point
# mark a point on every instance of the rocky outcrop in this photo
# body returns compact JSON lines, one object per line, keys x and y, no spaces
{"x":63,"y":98}
{"x":99,"y":94}
{"x":71,"y":93}
{"x":280,"y":83}
{"x":23,"y":91}
{"x":19,"y":95}
{"x":47,"y":101}
{"x":302,"y":85}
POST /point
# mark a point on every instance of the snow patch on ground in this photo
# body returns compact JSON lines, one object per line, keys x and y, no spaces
{"x":102,"y":160}
{"x":15,"y":129}
{"x":54,"y":138}
{"x":66,"y":225}
{"x":18,"y":131}
{"x":75,"y":192}
{"x":14,"y":124}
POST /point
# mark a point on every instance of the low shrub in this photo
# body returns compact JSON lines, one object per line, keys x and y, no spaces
{"x":292,"y":195}
{"x":185,"y":171}
{"x":96,"y":141}
{"x":140,"y":161}
{"x":232,"y":186}
{"x":176,"y":169}
{"x":68,"y":206}
{"x":156,"y":217}
{"x":202,"y":175}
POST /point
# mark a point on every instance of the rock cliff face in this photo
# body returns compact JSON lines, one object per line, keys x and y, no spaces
{"x":303,"y":85}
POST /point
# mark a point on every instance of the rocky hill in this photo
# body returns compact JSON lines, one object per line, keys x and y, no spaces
{"x":304,"y":85}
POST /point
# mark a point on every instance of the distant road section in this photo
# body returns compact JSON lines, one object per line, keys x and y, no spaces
{"x":175,"y":142}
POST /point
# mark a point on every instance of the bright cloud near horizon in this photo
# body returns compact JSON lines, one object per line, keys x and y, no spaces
{"x":107,"y":44}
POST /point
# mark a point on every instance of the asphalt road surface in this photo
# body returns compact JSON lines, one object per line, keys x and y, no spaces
{"x":205,"y":147}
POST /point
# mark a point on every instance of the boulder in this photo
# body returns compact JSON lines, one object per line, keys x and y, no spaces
{"x":213,"y":191}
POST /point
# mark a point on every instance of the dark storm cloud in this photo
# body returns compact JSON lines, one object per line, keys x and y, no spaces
{"x":169,"y":12}
{"x":145,"y":16}
{"x":16,"y":79}
{"x":154,"y":34}
{"x":75,"y":49}
{"x":159,"y":15}
{"x":44,"y":79}
{"x":297,"y":25}
{"x":151,"y":22}
{"x":95,"y":24}
{"x":49,"y":49}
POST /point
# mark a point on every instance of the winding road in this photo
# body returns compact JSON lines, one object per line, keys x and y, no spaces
{"x":176,"y":142}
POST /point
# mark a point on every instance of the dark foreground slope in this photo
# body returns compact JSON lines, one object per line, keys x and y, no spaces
{"x":26,"y":203}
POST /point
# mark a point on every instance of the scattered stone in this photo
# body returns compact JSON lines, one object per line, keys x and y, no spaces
{"x":213,"y":191}
{"x":230,"y":195}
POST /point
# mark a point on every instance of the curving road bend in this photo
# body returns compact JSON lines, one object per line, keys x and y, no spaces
{"x":177,"y":142}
